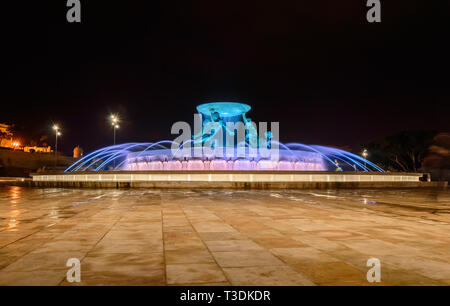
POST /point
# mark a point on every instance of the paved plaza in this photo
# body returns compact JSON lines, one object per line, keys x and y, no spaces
{"x":224,"y":237}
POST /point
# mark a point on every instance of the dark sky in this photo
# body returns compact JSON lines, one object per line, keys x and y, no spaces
{"x":318,"y":67}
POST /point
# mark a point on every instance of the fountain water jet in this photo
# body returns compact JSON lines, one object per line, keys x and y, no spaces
{"x":160,"y":156}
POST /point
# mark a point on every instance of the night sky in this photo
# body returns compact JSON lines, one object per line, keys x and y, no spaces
{"x":318,"y":67}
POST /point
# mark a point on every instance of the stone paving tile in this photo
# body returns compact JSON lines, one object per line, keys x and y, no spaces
{"x":200,"y":255}
{"x":22,"y":247}
{"x":194,"y":273}
{"x":319,"y":243}
{"x":212,"y":226}
{"x":232,"y":245}
{"x":338,"y":235}
{"x":266,"y":276}
{"x":221,"y":236}
{"x":265,"y":234}
{"x":178,"y":229}
{"x":393,"y":275}
{"x":69,"y":245}
{"x":183,"y":244}
{"x":246,"y":259}
{"x":42,"y":260}
{"x":303,"y":255}
{"x":149,"y":277}
{"x":32,"y":278}
{"x":331,"y":272}
{"x":122,"y":269}
{"x":122,"y":246}
{"x":429,"y":268}
{"x":6,"y":260}
{"x":279,"y":242}
{"x":377,"y":247}
{"x":122,"y":262}
{"x":446,"y":282}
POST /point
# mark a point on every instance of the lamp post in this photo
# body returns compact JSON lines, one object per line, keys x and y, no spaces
{"x":57,"y":133}
{"x":365,"y":154}
{"x":115,"y":125}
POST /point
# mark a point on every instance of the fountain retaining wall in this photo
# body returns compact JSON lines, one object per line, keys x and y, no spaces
{"x":229,"y":179}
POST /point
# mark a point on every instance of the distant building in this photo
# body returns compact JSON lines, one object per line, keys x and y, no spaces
{"x":5,"y":129}
{"x":6,"y":137}
{"x":77,"y":152}
{"x":35,"y":149}
{"x":7,"y":141}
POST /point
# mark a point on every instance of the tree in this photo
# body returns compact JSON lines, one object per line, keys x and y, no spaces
{"x":437,"y":162}
{"x":404,"y":151}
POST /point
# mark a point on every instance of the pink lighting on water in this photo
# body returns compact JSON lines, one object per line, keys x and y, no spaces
{"x":217,"y":165}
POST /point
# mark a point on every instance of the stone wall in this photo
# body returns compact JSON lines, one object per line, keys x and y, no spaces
{"x":19,"y":163}
{"x":229,"y":179}
{"x":234,"y":185}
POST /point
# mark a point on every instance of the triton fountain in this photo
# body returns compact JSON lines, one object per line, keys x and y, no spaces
{"x":225,"y":150}
{"x":200,"y":153}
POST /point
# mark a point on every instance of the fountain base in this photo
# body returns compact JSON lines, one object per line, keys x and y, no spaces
{"x":228,"y":179}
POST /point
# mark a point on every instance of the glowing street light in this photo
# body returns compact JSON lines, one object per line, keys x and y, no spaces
{"x":115,"y":124}
{"x":57,"y":134}
{"x":364,"y":154}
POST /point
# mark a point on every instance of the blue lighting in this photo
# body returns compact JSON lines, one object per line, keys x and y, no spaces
{"x":164,"y":155}
{"x":225,"y":109}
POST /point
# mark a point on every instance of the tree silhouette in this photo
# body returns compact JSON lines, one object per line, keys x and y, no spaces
{"x":404,"y":151}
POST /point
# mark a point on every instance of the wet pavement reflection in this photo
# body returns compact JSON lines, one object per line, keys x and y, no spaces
{"x":224,"y":237}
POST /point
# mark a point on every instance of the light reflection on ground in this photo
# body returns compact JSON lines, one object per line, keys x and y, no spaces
{"x":238,"y":237}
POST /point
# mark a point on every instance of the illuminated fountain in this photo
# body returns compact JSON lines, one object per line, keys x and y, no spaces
{"x":201,"y":152}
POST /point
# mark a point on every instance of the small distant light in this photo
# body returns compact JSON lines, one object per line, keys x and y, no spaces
{"x":114,"y":119}
{"x":55,"y":127}
{"x":365,"y":153}
{"x":116,"y":126}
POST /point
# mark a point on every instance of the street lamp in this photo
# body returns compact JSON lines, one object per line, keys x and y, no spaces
{"x":115,"y":125}
{"x":365,"y":154}
{"x":57,"y":133}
